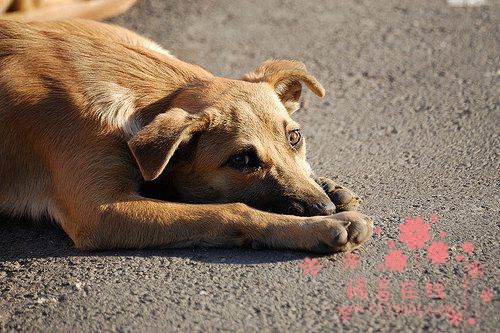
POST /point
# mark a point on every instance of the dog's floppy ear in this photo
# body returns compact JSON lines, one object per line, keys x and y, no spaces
{"x":156,"y":143}
{"x":286,"y":76}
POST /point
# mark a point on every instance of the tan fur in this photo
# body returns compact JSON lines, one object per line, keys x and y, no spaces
{"x":89,"y":111}
{"x":4,"y":5}
{"x":52,"y":10}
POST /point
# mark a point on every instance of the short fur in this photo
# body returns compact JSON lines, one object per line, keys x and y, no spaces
{"x":44,"y":10}
{"x":95,"y":120}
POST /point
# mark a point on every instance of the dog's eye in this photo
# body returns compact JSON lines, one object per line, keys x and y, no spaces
{"x":240,"y":160}
{"x":244,"y":161}
{"x":294,"y":137}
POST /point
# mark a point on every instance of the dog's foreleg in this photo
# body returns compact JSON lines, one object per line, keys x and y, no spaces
{"x":143,"y":223}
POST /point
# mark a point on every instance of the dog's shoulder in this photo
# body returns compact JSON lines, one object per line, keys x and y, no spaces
{"x":110,"y":71}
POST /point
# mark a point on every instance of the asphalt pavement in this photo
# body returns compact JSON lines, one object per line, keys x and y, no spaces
{"x":410,"y":122}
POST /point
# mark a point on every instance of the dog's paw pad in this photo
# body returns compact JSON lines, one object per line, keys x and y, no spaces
{"x":342,"y":232}
{"x":343,"y":198}
{"x":359,"y":231}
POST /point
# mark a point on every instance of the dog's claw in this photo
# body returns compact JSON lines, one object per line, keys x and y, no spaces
{"x":348,"y":231}
{"x":343,"y":198}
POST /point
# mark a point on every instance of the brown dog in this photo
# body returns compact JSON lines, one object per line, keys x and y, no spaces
{"x":89,"y":111}
{"x":43,"y":10}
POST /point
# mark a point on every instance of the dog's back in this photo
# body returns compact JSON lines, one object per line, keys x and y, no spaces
{"x":25,"y":181}
{"x":65,"y":84}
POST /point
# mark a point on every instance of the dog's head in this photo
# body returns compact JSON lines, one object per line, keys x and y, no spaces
{"x":228,"y":140}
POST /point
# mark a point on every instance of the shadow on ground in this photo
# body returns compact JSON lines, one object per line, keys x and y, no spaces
{"x":22,"y":239}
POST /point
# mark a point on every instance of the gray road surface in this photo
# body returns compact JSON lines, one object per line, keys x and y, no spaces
{"x":410,"y":121}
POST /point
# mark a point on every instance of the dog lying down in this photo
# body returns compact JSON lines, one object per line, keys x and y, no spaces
{"x":126,"y":146}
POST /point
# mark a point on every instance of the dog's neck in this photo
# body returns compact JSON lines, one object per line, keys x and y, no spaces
{"x":129,"y":95}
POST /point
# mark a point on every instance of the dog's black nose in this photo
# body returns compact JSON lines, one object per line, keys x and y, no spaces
{"x":321,"y":208}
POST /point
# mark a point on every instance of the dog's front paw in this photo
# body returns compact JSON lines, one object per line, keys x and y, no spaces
{"x":343,"y":198}
{"x":359,"y":230}
{"x":340,"y":232}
